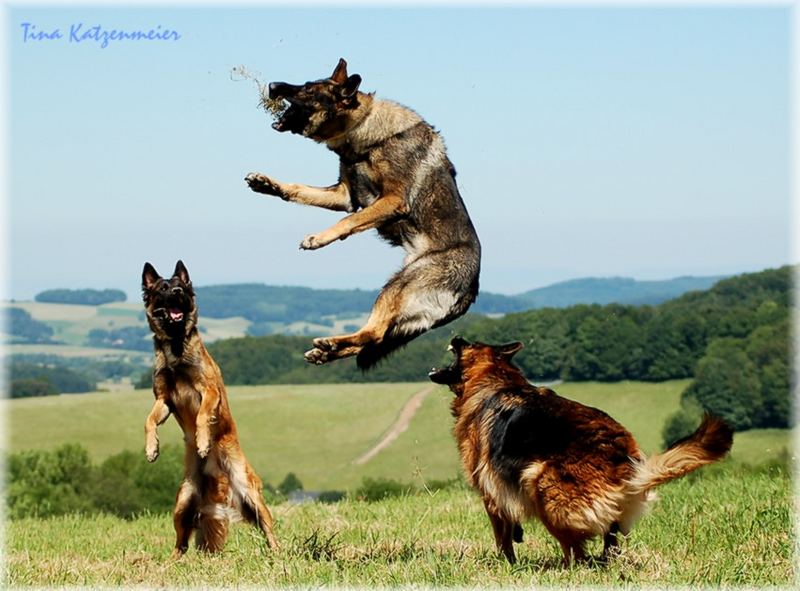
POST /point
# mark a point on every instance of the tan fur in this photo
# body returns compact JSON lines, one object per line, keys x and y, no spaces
{"x":219,"y":485}
{"x":394,"y":177}
{"x":574,"y":468}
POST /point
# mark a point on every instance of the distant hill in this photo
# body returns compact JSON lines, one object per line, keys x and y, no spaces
{"x":261,"y":303}
{"x":613,"y":290}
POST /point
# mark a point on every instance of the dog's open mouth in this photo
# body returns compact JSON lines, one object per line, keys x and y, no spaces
{"x":452,"y":374}
{"x":293,"y":118}
{"x":171,"y":314}
{"x":445,"y":375}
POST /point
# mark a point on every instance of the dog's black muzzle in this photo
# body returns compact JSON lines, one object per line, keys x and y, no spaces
{"x":449,"y":375}
{"x":282,"y":90}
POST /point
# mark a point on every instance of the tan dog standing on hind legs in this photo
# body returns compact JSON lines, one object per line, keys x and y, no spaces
{"x":394,"y":176}
{"x":218,"y":485}
{"x":531,"y":453}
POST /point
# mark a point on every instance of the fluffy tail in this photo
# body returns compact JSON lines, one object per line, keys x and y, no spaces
{"x":709,"y":443}
{"x":212,"y":531}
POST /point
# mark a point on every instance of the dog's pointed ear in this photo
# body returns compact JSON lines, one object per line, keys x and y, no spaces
{"x":181,"y":273}
{"x":149,"y":276}
{"x":509,"y":349}
{"x":351,"y":85}
{"x":340,"y":72}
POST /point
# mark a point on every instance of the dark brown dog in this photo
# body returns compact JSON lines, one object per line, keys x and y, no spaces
{"x":531,"y":453}
{"x":218,"y":485}
{"x":394,"y":176}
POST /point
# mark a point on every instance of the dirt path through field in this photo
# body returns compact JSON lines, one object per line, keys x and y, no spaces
{"x":401,"y":424}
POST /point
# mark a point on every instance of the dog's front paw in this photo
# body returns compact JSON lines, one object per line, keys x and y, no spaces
{"x":317,"y":356}
{"x":263,"y":184}
{"x":151,"y":452}
{"x":203,"y":446}
{"x":315,"y":241}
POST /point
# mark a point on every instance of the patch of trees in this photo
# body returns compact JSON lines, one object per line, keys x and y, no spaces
{"x":24,"y":329}
{"x":85,"y":297}
{"x":31,"y":379}
{"x":746,"y":381}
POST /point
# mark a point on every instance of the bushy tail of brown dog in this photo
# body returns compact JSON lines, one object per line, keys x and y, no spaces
{"x":709,"y":443}
{"x":211,"y":533}
{"x":373,"y":353}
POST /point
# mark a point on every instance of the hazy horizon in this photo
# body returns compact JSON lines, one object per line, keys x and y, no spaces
{"x":133,"y":297}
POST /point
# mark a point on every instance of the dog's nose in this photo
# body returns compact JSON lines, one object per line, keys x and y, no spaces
{"x":457,"y":343}
{"x":281,"y":90}
{"x":177,"y":291}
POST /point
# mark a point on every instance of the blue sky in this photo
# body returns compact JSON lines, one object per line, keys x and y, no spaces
{"x":644,"y":142}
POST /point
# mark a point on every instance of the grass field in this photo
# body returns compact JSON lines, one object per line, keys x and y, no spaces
{"x":317,"y":431}
{"x":722,"y":529}
{"x":727,"y":525}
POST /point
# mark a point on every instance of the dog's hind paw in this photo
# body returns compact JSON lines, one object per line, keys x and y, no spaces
{"x":317,"y":356}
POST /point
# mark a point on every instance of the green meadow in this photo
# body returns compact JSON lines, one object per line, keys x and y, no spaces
{"x":317,"y":431}
{"x":723,"y":529}
{"x":729,"y":524}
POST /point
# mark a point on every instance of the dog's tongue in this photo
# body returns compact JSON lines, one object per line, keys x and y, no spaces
{"x":175,"y":314}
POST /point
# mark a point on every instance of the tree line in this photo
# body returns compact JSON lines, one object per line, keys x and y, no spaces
{"x":23,"y":328}
{"x":86,"y":297}
{"x":740,"y":323}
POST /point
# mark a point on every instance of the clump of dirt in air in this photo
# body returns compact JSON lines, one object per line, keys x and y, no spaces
{"x":273,"y":107}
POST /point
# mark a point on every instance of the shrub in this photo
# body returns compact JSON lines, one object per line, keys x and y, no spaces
{"x":376,"y":489}
{"x":290,"y":484}
{"x":331,"y":496}
{"x":30,"y":387}
{"x":45,"y":483}
{"x":683,"y":422}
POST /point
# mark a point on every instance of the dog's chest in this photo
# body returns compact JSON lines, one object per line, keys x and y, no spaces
{"x":184,"y":397}
{"x":364,"y":182}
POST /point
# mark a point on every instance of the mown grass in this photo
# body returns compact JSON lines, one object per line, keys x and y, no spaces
{"x":729,"y":527}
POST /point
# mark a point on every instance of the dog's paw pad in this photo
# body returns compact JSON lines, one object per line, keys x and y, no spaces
{"x":263,"y":184}
{"x":310,"y":242}
{"x":316,"y":356}
{"x":325,"y":344}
